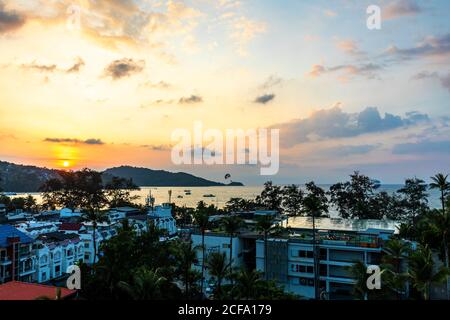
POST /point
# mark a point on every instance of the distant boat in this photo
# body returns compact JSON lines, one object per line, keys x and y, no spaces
{"x":209,"y":196}
{"x":376,"y":183}
{"x":187,"y":192}
{"x":180,"y":197}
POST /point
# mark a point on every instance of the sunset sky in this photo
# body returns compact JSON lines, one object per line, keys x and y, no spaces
{"x":105,"y":83}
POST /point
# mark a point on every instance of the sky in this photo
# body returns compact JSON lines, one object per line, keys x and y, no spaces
{"x":98,"y":84}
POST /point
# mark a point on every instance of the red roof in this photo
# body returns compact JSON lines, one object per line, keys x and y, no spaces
{"x":70,"y":226}
{"x":15,"y":290}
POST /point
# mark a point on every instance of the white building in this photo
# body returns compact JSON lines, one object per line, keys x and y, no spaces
{"x":36,"y":228}
{"x":161,"y":217}
{"x":54,"y":253}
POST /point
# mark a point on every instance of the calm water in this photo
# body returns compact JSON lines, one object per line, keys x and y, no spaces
{"x":223,"y":194}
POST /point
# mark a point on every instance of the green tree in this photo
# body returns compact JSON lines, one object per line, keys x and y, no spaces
{"x":422,"y":271}
{"x":438,"y":232}
{"x":186,"y":257}
{"x":30,"y":204}
{"x":271,"y":197}
{"x":292,"y":197}
{"x":415,"y":198}
{"x":359,"y":273}
{"x":218,"y":268}
{"x":118,"y":192}
{"x":239,"y":204}
{"x":440,"y":182}
{"x":315,"y":202}
{"x":265,"y":224}
{"x":248,"y":284}
{"x":395,"y":252}
{"x":353,"y":198}
{"x":232,"y":224}
{"x":146,"y":285}
{"x":201,"y":219}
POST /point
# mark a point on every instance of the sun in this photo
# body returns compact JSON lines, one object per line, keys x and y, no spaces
{"x":66,"y":164}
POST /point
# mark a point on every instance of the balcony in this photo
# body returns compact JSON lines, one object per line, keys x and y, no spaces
{"x":5,"y":261}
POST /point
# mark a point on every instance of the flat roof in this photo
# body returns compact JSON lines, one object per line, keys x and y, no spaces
{"x":338,"y":224}
{"x":15,"y":290}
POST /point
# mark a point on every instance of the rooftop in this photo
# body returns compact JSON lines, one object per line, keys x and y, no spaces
{"x":344,"y":224}
{"x":66,"y":226}
{"x":15,"y":290}
{"x":7,"y":231}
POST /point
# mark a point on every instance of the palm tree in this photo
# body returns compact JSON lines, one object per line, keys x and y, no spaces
{"x":422,"y":271}
{"x":218,"y":268}
{"x":265,"y":225}
{"x":359,"y":272}
{"x":396,"y":251}
{"x":187,"y":256}
{"x":95,"y":217}
{"x":438,"y":227}
{"x":248,"y":284}
{"x":440,"y":182}
{"x":146,"y":284}
{"x":232,"y":225}
{"x":201,"y":219}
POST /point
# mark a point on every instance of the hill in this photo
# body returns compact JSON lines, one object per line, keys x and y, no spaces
{"x":161,"y":178}
{"x":20,"y":178}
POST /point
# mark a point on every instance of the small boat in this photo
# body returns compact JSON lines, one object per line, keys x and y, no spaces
{"x":180,"y":197}
{"x":209,"y":196}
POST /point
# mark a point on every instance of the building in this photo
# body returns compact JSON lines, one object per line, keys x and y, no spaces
{"x":16,"y":255}
{"x":161,"y":217}
{"x":340,"y":243}
{"x":55,"y":252}
{"x":36,"y":228}
{"x":15,"y":290}
{"x":121,"y":213}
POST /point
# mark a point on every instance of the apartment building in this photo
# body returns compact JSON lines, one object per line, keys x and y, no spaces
{"x":54,"y":253}
{"x":16,"y":255}
{"x":340,"y":243}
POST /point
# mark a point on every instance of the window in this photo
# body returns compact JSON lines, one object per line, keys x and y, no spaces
{"x":44,"y":276}
{"x":57,"y":255}
{"x":43,"y":259}
{"x":302,"y":268}
{"x":307,"y":282}
{"x":57,"y":269}
{"x":305,"y":254}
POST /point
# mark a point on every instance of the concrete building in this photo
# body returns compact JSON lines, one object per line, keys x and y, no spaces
{"x":16,"y":255}
{"x":161,"y":217}
{"x":340,"y":243}
{"x":54,"y":253}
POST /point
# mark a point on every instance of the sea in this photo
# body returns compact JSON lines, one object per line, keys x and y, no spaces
{"x":220,"y":195}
